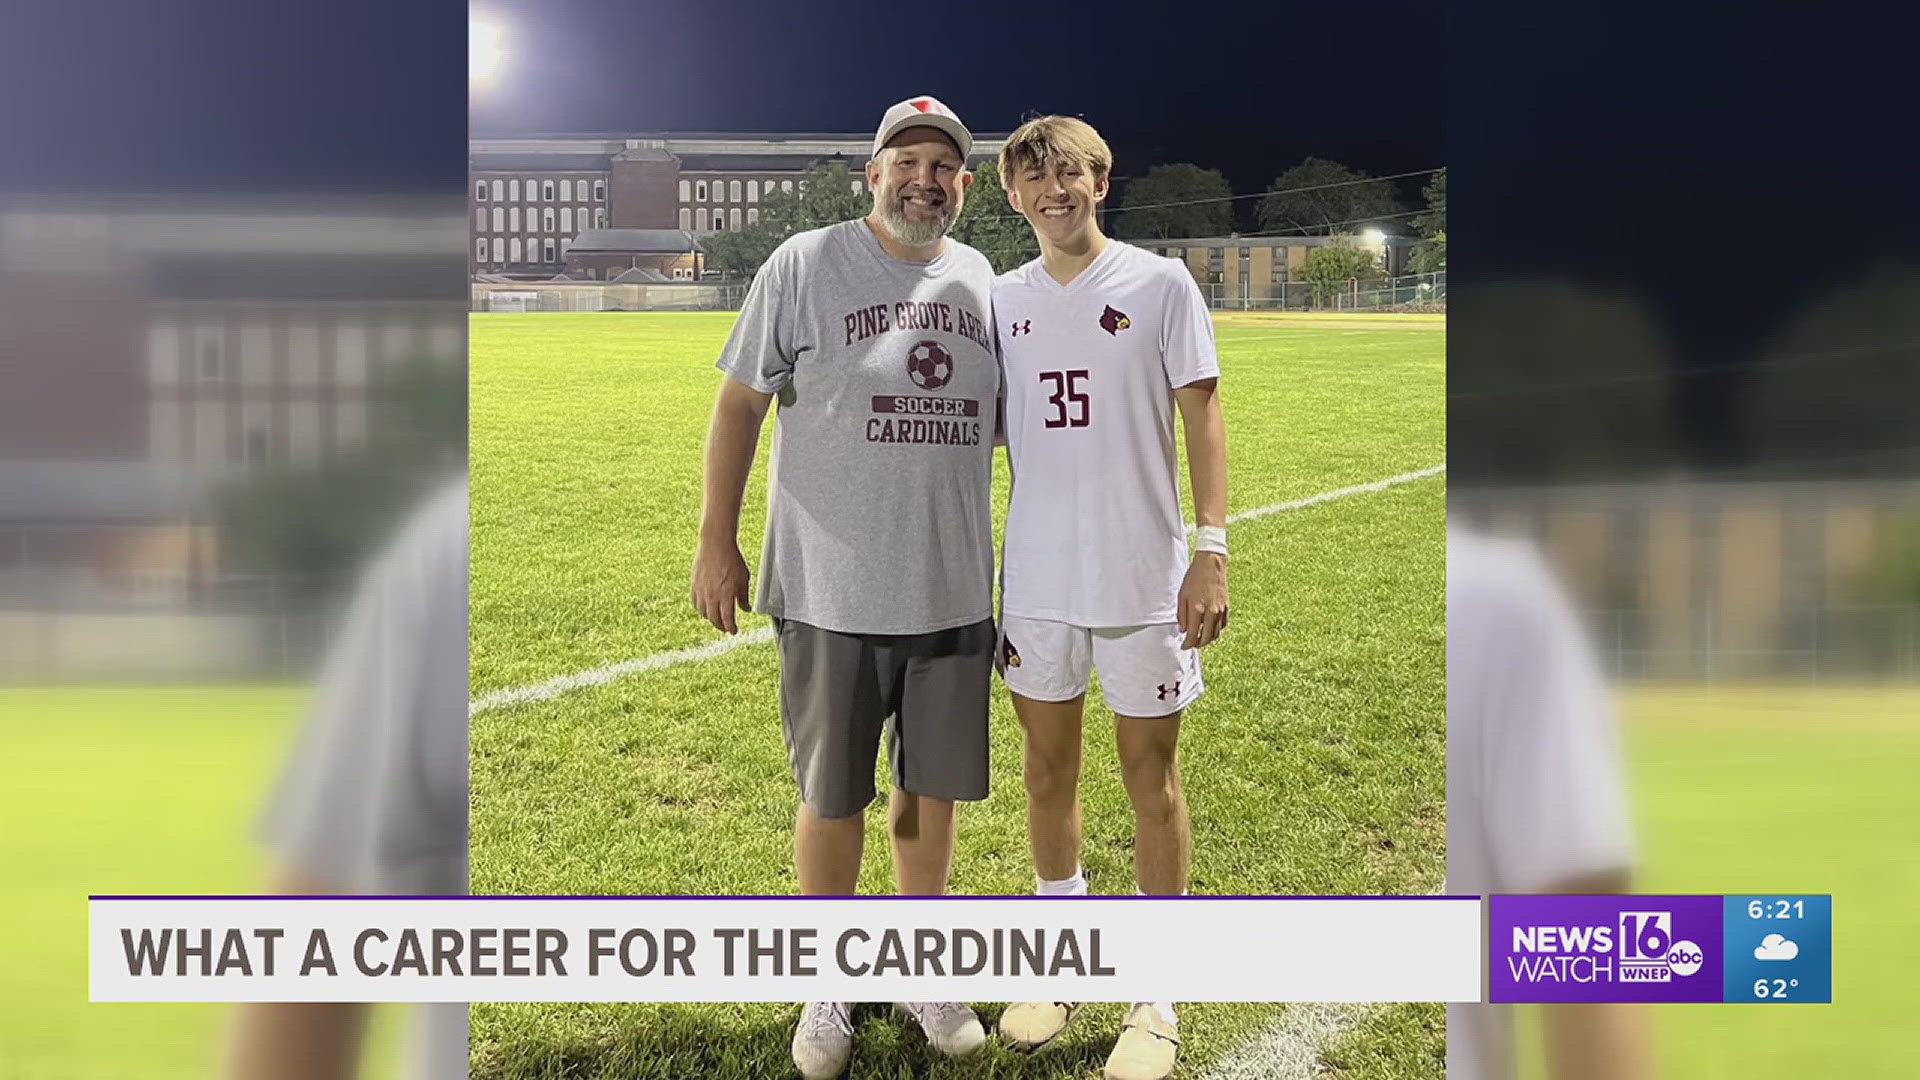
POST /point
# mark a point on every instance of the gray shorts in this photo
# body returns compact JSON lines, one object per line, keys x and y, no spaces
{"x":928,"y":691}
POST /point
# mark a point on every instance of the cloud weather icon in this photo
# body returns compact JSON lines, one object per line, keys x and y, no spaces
{"x":1775,"y":947}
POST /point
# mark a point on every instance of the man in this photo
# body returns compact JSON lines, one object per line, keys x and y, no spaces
{"x":1102,"y":341}
{"x":373,"y":799}
{"x":878,"y":563}
{"x":1535,"y":802}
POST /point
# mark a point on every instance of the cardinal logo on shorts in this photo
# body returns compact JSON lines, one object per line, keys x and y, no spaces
{"x":1114,"y":321}
{"x":1008,"y":654}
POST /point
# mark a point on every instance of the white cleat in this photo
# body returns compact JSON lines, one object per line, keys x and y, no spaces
{"x":823,"y":1040}
{"x":951,"y":1027}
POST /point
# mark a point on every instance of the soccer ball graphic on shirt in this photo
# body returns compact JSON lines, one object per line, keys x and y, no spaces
{"x":929,"y":365}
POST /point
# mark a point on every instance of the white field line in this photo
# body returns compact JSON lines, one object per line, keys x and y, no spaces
{"x":1290,"y":1048}
{"x":561,"y":684}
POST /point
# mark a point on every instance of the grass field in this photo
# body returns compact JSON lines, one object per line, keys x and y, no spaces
{"x":1314,"y":765}
{"x":132,"y":790}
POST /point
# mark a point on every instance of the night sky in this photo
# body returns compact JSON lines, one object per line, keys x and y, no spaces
{"x":1162,"y":89}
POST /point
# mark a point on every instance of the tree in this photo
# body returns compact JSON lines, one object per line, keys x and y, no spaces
{"x":1303,"y":199}
{"x":823,"y":196}
{"x":1207,"y":209}
{"x":992,"y":226}
{"x":1330,"y":268}
{"x":311,"y":527}
{"x":1430,"y":254}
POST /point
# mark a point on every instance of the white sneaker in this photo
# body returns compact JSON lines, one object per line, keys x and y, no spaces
{"x":951,"y":1027}
{"x":823,"y":1040}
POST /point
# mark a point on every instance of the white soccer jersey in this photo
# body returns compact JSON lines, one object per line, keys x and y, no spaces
{"x":1094,"y":534}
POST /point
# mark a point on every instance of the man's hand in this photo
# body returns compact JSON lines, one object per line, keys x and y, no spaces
{"x":1203,"y":599}
{"x":720,"y":585}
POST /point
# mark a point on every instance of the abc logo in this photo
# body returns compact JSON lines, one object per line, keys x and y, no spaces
{"x":1684,"y":958}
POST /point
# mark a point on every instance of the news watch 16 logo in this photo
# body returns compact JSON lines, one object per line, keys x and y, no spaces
{"x":1638,"y":948}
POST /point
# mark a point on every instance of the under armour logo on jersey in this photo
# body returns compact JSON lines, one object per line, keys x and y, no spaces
{"x":1169,"y":691}
{"x":1024,"y":326}
{"x":1114,"y":321}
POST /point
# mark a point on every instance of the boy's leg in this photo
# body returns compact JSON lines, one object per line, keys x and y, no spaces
{"x":1052,"y":771}
{"x":1150,"y":768}
{"x":826,"y":852}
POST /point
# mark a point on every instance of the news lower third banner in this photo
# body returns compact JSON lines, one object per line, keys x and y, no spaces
{"x":668,"y":949}
{"x":1759,"y":948}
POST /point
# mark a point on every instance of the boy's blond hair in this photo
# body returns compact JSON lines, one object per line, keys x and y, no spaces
{"x":1050,"y":141}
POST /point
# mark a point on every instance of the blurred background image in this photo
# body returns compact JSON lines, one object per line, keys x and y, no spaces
{"x":1681,"y":410}
{"x":232,"y":379}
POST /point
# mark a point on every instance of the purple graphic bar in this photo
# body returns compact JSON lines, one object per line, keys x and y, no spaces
{"x":1604,"y":948}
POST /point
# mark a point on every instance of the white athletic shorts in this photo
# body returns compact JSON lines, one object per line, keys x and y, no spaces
{"x":1143,"y":670}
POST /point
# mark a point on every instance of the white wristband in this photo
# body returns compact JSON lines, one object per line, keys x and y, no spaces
{"x":1210,"y":538}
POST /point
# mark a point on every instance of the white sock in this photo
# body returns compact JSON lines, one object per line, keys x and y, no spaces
{"x":1164,"y":1008}
{"x":1073,"y":886}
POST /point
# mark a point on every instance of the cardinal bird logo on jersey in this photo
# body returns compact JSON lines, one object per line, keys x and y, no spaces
{"x":1114,"y":321}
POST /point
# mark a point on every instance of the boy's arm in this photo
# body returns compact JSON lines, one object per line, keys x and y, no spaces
{"x":1203,"y":594}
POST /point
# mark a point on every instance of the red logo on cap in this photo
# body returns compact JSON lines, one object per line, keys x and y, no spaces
{"x":923,"y":104}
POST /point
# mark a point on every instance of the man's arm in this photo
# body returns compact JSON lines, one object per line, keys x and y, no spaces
{"x":1596,"y":1041}
{"x":720,"y":576}
{"x":299,"y":1040}
{"x":1203,"y":595}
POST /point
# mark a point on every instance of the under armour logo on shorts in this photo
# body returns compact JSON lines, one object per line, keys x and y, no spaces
{"x":1169,"y":691}
{"x":1024,"y":326}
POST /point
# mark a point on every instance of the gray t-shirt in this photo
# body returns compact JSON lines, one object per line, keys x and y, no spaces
{"x":879,"y":492}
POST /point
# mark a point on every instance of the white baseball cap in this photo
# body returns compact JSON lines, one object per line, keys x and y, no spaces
{"x":922,"y":112}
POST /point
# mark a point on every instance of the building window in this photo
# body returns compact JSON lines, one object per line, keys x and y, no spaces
{"x":566,"y":219}
{"x":564,"y":245}
{"x":786,"y":185}
{"x":1245,"y":254}
{"x":733,"y":219}
{"x":499,"y":250}
{"x":546,"y":220}
{"x":1216,"y":258}
{"x":514,"y":244}
{"x":855,"y":185}
{"x":599,"y":191}
{"x":480,"y":190}
{"x":479,"y":217}
{"x":513,"y":219}
{"x":480,"y":250}
{"x":700,"y":191}
{"x":686,"y":219}
{"x":499,"y":191}
{"x":753,"y":191}
{"x":513,"y":191}
{"x":1177,"y":253}
{"x":547,"y":248}
{"x":686,"y":190}
{"x":733,"y":191}
{"x":768,"y":190}
{"x":700,"y":219}
{"x":546,"y":191}
{"x":753,"y":216}
{"x":499,"y":218}
{"x":600,"y":217}
{"x":719,"y":220}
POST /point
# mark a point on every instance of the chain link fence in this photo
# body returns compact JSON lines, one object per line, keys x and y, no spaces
{"x":1409,"y":292}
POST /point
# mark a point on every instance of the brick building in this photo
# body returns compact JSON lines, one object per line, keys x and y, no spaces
{"x":531,"y":199}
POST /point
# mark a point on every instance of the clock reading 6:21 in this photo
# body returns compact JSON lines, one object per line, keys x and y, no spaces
{"x":1776,"y":909}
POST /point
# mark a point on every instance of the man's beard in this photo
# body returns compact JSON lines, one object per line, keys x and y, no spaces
{"x":915,"y":231}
